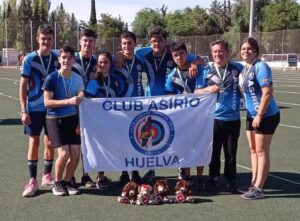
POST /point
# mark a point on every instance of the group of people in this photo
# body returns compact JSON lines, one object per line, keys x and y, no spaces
{"x":52,"y":86}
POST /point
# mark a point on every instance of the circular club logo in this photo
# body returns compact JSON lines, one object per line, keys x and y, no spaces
{"x":151,"y":132}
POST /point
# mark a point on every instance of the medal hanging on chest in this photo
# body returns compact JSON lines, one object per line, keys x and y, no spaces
{"x":222,"y":78}
{"x":44,"y":69}
{"x":129,"y":67}
{"x":107,"y":87}
{"x":85,"y":64}
{"x":183,"y":81}
{"x":67,"y":85}
{"x":244,"y":75}
{"x":157,"y":67}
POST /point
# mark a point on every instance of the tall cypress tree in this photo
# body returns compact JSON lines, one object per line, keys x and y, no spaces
{"x":35,"y":10}
{"x":93,"y":18}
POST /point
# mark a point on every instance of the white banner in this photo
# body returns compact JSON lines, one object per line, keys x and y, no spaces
{"x":146,"y":132}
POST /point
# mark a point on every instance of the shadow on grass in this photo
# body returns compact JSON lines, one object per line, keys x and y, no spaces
{"x":278,"y":185}
{"x":43,"y":191}
{"x":10,"y":122}
{"x":284,"y":107}
{"x":116,"y":190}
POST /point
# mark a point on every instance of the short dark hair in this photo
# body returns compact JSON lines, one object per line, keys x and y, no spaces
{"x":253,"y":43}
{"x":158,"y":31}
{"x":88,"y":33}
{"x":67,"y":49}
{"x":177,"y":46}
{"x":45,"y":30}
{"x":128,"y":34}
{"x":220,"y":42}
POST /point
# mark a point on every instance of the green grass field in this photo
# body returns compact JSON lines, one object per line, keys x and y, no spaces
{"x":282,"y":188}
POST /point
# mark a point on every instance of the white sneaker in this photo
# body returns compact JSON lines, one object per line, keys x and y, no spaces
{"x":59,"y":189}
{"x":30,"y":188}
{"x":71,"y":190}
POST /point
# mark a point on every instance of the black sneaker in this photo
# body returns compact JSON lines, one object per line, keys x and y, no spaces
{"x":124,"y":178}
{"x":149,"y":176}
{"x":189,"y":180}
{"x":200,"y":183}
{"x":103,"y":183}
{"x":87,"y":181}
{"x":231,"y":187}
{"x":59,"y":189}
{"x":213,"y":184}
{"x":72,"y":190}
{"x":135,"y":176}
{"x":73,"y":182}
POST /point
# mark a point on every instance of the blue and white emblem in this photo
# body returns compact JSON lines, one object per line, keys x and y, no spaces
{"x":151,"y":133}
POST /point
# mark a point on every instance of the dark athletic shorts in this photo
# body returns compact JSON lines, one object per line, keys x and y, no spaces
{"x":38,"y":122}
{"x":268,"y":125}
{"x":62,"y":131}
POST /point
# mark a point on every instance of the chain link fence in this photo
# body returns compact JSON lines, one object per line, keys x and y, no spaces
{"x":279,"y":42}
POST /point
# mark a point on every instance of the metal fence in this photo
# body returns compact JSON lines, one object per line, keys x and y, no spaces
{"x":279,"y":42}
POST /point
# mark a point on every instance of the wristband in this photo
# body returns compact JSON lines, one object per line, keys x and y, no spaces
{"x":24,"y":111}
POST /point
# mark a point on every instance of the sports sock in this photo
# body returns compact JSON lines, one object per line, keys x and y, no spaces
{"x":32,"y":166}
{"x":48,"y":166}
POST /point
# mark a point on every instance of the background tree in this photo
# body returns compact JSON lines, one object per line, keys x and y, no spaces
{"x":260,"y":6}
{"x":24,"y":15}
{"x":93,"y":17}
{"x":280,"y":15}
{"x":220,"y":16}
{"x":2,"y":28}
{"x":181,"y":23}
{"x":10,"y":15}
{"x":145,"y":19}
{"x":35,"y":10}
{"x":43,"y":11}
{"x":110,"y":27}
{"x":66,"y":27}
{"x":71,"y":32}
{"x":164,"y":10}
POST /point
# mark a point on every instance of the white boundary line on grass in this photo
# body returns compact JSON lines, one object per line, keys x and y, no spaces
{"x":288,"y":92}
{"x":9,"y":96}
{"x":9,"y":79}
{"x":291,"y":81}
{"x":292,"y":104}
{"x":286,"y":125}
{"x":277,"y":177}
{"x":287,"y":85}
